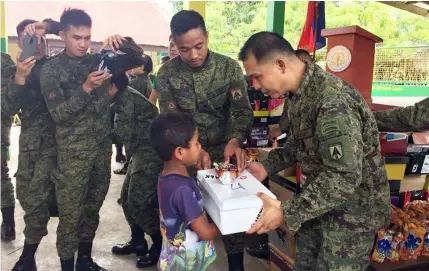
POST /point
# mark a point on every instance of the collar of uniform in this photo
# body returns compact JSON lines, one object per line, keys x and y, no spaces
{"x":72,"y":59}
{"x":306,"y":80}
{"x":207,"y":63}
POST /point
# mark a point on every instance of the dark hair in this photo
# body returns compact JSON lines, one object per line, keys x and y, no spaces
{"x":75,"y":17}
{"x":264,"y":44}
{"x":21,"y":26}
{"x":185,"y":20}
{"x":171,"y":36}
{"x":120,"y":81}
{"x":302,"y":52}
{"x":169,"y":131}
{"x":148,"y":64}
{"x":165,"y":59}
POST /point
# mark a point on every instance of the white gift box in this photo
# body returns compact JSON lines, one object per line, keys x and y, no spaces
{"x":235,"y":207}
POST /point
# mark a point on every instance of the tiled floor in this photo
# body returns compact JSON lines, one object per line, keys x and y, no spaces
{"x":113,"y":229}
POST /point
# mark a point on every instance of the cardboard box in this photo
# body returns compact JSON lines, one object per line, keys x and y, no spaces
{"x":419,"y":163}
{"x":412,"y":183}
{"x":275,"y":107}
{"x":279,"y":261}
{"x":393,"y":143}
{"x":235,"y":207}
{"x":260,"y":121}
{"x":259,"y":131}
{"x":280,"y":238}
{"x":257,"y":141}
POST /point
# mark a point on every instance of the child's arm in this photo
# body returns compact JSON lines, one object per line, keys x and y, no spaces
{"x":205,"y":230}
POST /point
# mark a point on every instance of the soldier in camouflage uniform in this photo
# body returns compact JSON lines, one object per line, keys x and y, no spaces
{"x":7,"y":194}
{"x":140,"y":80}
{"x":37,"y":154}
{"x":334,"y":138}
{"x":211,"y":87}
{"x":410,"y":118}
{"x":77,"y":97}
{"x":134,"y":114}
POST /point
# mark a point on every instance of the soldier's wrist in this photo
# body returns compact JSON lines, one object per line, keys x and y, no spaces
{"x":87,"y":89}
{"x":19,"y":80}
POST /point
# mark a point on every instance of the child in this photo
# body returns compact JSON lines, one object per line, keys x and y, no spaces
{"x":187,"y":236}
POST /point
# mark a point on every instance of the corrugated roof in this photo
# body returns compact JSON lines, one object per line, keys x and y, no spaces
{"x":417,"y":7}
{"x":143,"y":21}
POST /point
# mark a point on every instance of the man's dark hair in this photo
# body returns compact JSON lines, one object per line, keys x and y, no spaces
{"x":148,"y":64}
{"x":21,"y":26}
{"x":264,"y":44}
{"x":170,"y":131}
{"x":75,"y":17}
{"x":165,"y":59}
{"x":121,"y":81}
{"x":186,"y":20}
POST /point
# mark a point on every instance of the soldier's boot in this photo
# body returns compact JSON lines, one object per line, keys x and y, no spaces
{"x":67,"y":265}
{"x":260,"y":251}
{"x":151,"y":258}
{"x":259,"y":247}
{"x":26,"y":261}
{"x":8,"y":224}
{"x":120,"y":157}
{"x":137,"y":245}
{"x":235,"y":262}
{"x":84,"y":260}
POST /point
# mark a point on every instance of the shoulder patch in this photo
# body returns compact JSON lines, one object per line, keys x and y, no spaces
{"x":52,"y":96}
{"x":336,"y":151}
{"x":236,"y":93}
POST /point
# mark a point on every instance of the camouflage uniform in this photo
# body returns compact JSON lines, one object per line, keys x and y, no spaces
{"x":37,"y":154}
{"x":345,"y":198}
{"x":83,"y":138}
{"x":216,"y":95}
{"x":7,"y":194}
{"x":134,"y":114}
{"x":410,"y":118}
{"x":142,"y":84}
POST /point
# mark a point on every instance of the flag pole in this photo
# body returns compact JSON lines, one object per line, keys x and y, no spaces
{"x":316,"y":6}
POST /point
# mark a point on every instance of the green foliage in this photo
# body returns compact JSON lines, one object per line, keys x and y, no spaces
{"x":231,"y":23}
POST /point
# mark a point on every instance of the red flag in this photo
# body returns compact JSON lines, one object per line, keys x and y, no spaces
{"x":315,"y":21}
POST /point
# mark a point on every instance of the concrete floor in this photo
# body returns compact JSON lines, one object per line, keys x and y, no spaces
{"x":113,"y":229}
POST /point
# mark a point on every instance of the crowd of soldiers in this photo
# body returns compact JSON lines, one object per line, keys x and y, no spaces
{"x":64,"y":163}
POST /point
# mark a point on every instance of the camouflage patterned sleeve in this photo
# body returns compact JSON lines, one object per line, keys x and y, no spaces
{"x":10,"y":92}
{"x":339,"y":133}
{"x":167,"y":103}
{"x":60,"y":107}
{"x":124,"y":114}
{"x":281,"y":158}
{"x":241,"y":113}
{"x":407,"y":119}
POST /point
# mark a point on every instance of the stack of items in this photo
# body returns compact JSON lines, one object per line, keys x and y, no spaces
{"x":407,"y":238}
{"x":407,"y":164}
{"x":259,"y":135}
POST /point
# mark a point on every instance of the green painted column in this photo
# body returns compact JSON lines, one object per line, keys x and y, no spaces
{"x":276,"y":16}
{"x":3,"y":36}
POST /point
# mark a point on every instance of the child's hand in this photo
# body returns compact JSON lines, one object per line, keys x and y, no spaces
{"x":205,"y":231}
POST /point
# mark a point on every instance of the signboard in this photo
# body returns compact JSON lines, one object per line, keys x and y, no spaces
{"x":387,"y":90}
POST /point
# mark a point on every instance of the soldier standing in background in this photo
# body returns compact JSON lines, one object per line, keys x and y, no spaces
{"x":7,"y":193}
{"x":410,"y":118}
{"x":140,"y":80}
{"x":37,"y":154}
{"x":134,"y":114}
{"x":211,"y":87}
{"x":334,"y":138}
{"x":77,"y":97}
{"x":172,"y":53}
